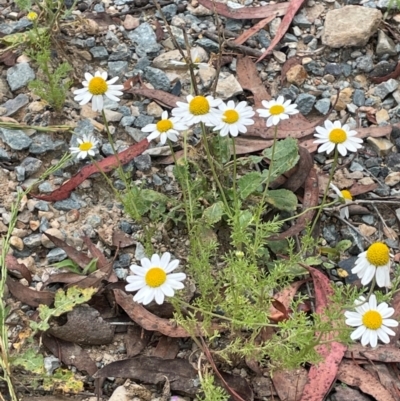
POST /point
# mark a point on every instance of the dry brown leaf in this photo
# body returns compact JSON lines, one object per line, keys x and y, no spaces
{"x":28,"y":295}
{"x":70,"y":354}
{"x":179,"y":372}
{"x":253,"y":30}
{"x":148,"y":320}
{"x":289,"y":384}
{"x":76,"y":328}
{"x":246,"y":12}
{"x":13,"y":266}
{"x":353,"y":375}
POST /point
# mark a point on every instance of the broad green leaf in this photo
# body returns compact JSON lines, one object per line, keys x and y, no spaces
{"x":285,"y":156}
{"x":64,"y":381}
{"x":280,"y":246}
{"x":249,"y":183}
{"x":245,"y":218}
{"x":30,"y":360}
{"x":282,"y":199}
{"x":23,"y":37}
{"x":313,"y":261}
{"x":213,"y":213}
{"x":343,"y":245}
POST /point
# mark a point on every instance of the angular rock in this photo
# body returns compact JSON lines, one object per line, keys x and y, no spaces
{"x":228,"y":86}
{"x":296,"y":75}
{"x":343,"y":100}
{"x":305,"y":103}
{"x":385,"y":45}
{"x":13,"y":105}
{"x":19,"y":75}
{"x":383,"y":89}
{"x":350,"y":26}
{"x":15,"y":138}
{"x":382,"y":146}
{"x":323,"y":106}
{"x":157,"y":78}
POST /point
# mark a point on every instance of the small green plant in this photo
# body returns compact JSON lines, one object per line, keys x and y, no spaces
{"x":211,"y":391}
{"x":5,"y":365}
{"x":74,"y":267}
{"x":53,"y":84}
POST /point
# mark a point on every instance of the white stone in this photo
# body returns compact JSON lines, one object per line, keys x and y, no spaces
{"x":393,"y":178}
{"x":228,"y":86}
{"x":350,"y":26}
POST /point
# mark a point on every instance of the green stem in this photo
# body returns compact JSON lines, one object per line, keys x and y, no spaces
{"x":321,"y":208}
{"x":119,"y":168}
{"x":212,"y":166}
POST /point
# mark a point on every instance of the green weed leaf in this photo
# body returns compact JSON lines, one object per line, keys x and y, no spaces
{"x":285,"y":157}
{"x":249,"y":183}
{"x":343,"y":245}
{"x":213,"y":214}
{"x":282,"y":199}
{"x":30,"y":360}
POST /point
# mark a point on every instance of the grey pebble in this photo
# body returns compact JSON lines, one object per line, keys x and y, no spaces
{"x":359,"y":97}
{"x":13,"y":105}
{"x":42,"y":205}
{"x":33,"y":240}
{"x":31,"y":165}
{"x":323,"y":105}
{"x":14,"y":27}
{"x":99,"y":53}
{"x":157,"y":78}
{"x":16,"y":139}
{"x":142,"y":120}
{"x":42,"y":143}
{"x":383,"y":89}
{"x":67,"y":204}
{"x":121,"y":53}
{"x":145,"y":40}
{"x":368,"y":219}
{"x":46,"y":187}
{"x":305,"y":103}
{"x":117,"y":68}
{"x":51,"y":363}
{"x":56,"y":255}
{"x":20,"y":172}
{"x":208,"y":45}
{"x":143,"y":162}
{"x":20,"y":75}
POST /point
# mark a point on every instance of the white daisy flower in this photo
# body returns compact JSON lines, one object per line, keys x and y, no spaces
{"x":375,"y":262}
{"x":165,"y":128}
{"x":153,"y":280}
{"x":197,"y":109}
{"x":346,"y":197}
{"x":95,"y":88}
{"x":233,"y":119}
{"x":335,"y":135}
{"x":277,"y":110}
{"x":86,"y":146}
{"x":371,"y":321}
{"x":195,"y":58}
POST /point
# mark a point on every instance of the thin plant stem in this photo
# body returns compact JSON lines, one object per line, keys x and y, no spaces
{"x":321,"y":208}
{"x":120,"y":168}
{"x":212,"y":166}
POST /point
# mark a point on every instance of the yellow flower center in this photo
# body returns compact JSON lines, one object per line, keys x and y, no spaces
{"x":378,"y":254}
{"x":32,"y":16}
{"x":97,"y":86}
{"x":276,"y":110}
{"x":164,"y":125}
{"x":346,"y":194}
{"x":199,"y":105}
{"x":230,"y":116}
{"x":337,"y":135}
{"x":85,"y":146}
{"x":196,"y":60}
{"x":372,"y":320}
{"x":155,"y":277}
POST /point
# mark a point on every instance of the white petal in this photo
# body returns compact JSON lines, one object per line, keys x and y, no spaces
{"x":357,"y":333}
